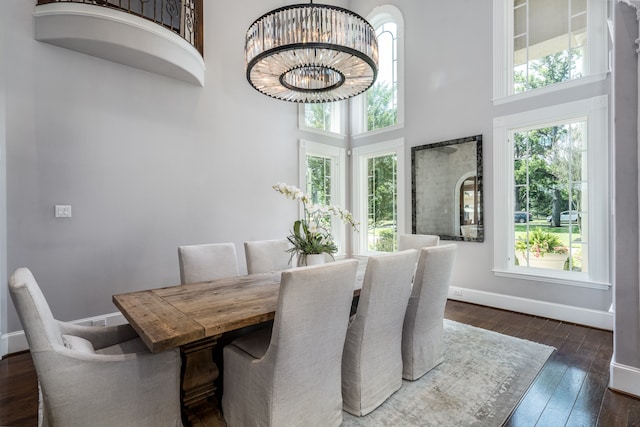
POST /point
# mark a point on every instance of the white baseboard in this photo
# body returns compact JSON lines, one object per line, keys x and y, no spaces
{"x":625,"y":379}
{"x":4,"y":345}
{"x":17,"y":341}
{"x":565,"y":313}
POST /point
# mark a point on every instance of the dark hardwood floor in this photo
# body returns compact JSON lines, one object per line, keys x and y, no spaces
{"x":571,"y":389}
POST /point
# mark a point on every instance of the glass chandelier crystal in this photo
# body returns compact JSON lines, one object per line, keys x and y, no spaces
{"x":311,"y":53}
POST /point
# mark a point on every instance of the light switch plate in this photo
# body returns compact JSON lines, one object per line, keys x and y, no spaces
{"x":63,"y":211}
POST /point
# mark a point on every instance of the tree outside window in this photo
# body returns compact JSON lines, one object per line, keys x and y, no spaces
{"x":549,"y":169}
{"x":382,"y":203}
{"x":319,"y":179}
{"x":382,"y":97}
{"x":549,"y":39}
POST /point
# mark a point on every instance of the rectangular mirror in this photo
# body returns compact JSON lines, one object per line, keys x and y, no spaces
{"x":446,"y":189}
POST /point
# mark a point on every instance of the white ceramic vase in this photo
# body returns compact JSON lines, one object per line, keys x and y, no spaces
{"x":311,"y":259}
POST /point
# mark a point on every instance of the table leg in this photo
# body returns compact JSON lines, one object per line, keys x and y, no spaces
{"x":199,"y":371}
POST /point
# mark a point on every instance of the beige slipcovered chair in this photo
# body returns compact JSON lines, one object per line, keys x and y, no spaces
{"x":423,"y":329}
{"x":264,"y":256}
{"x":204,"y":263}
{"x":417,"y":241}
{"x":94,"y":375}
{"x":290,"y":376}
{"x":372,"y":358}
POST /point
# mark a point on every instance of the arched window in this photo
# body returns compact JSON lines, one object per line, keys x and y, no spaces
{"x":382,"y":105}
{"x":382,"y":98}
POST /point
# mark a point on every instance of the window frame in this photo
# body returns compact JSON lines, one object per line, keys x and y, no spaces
{"x":596,"y":65}
{"x":340,"y":109}
{"x":358,"y":105}
{"x":360,"y":156}
{"x":338,"y":182}
{"x":595,"y":110}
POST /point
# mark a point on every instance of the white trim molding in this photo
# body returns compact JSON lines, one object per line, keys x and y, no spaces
{"x":4,"y":345}
{"x":625,"y":379}
{"x":566,"y":313}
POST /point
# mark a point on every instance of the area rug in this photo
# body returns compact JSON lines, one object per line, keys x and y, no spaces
{"x":482,"y":378}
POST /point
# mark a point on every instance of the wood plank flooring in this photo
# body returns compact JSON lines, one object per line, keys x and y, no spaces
{"x":571,"y":389}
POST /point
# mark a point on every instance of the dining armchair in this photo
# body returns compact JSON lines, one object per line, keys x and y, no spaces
{"x":204,"y":263}
{"x":417,"y":241}
{"x":372,"y":358}
{"x":423,"y":329}
{"x":290,"y":374}
{"x":94,"y":375}
{"x":263,"y":256}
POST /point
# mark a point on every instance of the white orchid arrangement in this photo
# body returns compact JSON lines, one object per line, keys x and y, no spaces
{"x":310,"y":234}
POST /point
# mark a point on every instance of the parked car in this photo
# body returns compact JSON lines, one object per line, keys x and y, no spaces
{"x":566,"y":216}
{"x":522,"y":217}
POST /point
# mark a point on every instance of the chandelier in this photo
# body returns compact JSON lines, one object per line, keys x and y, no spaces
{"x":311,"y":53}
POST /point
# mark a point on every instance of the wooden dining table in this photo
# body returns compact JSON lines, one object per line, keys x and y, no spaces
{"x":199,"y":318}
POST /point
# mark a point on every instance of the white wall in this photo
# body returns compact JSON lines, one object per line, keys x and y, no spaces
{"x":149,"y":163}
{"x":3,"y":198}
{"x":627,"y":297}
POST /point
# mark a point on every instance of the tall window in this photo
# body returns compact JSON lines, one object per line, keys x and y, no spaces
{"x":551,"y":184}
{"x":379,"y":195}
{"x":382,"y":97}
{"x":382,"y":204}
{"x":382,"y":106}
{"x":319,"y":178}
{"x":322,"y":177}
{"x":551,"y":193}
{"x":536,"y":39}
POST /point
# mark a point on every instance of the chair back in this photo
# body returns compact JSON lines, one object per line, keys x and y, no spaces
{"x":309,"y":330}
{"x":422,"y":335}
{"x":204,"y":263}
{"x":417,"y":241}
{"x":372,"y":359}
{"x":264,"y":256}
{"x":40,"y":327}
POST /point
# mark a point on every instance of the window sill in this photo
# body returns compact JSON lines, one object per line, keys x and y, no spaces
{"x":119,"y":37}
{"x":378,"y":131}
{"x":540,"y":275}
{"x":557,"y":87}
{"x":327,"y":133}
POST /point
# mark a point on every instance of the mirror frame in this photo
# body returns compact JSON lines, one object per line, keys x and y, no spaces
{"x":415,"y":185}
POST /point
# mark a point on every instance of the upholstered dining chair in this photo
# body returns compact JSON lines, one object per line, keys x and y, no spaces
{"x":372,"y":358}
{"x":94,"y":376}
{"x":290,"y":375}
{"x":417,"y":241}
{"x":423,"y":329}
{"x":264,"y":256}
{"x":203,"y":263}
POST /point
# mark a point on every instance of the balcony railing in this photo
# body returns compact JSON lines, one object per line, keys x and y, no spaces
{"x":183,"y":17}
